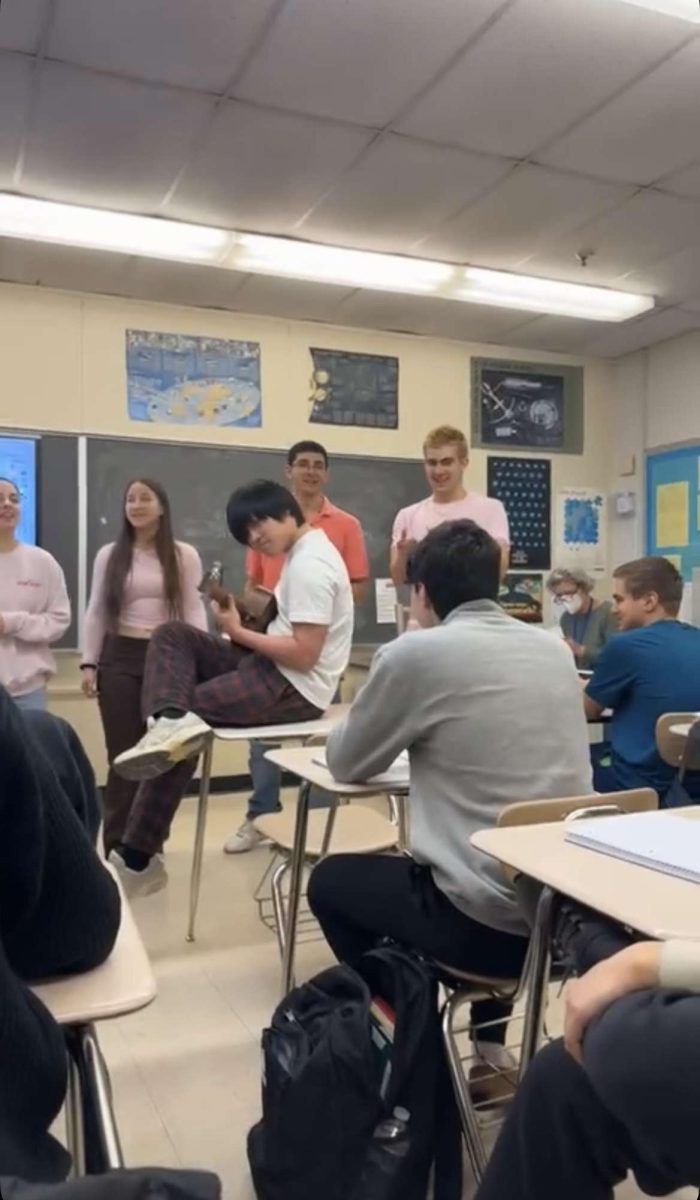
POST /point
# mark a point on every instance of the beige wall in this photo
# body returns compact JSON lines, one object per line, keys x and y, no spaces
{"x":77,"y":384}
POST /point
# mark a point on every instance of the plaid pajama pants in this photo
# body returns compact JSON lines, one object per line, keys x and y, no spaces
{"x":225,"y":685}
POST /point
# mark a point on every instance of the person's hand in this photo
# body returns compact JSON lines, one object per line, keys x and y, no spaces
{"x":576,"y":649}
{"x":88,"y":682}
{"x":631,"y":970}
{"x":227,"y":619}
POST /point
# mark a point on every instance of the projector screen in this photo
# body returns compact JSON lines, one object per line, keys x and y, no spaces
{"x":18,"y":463}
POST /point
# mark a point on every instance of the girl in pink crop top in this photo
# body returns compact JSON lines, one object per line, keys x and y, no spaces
{"x":139,"y":581}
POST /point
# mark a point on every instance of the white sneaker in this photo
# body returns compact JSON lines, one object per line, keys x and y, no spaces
{"x":153,"y":878}
{"x":244,"y":839}
{"x":168,"y":741}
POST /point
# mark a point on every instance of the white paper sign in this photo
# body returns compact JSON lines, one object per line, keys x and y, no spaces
{"x":385,"y":596}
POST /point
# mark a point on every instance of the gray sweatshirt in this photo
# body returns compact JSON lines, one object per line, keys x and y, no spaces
{"x":491,"y":712}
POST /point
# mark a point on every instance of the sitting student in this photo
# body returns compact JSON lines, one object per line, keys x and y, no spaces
{"x":194,"y":681}
{"x":618,"y":1094}
{"x":489,"y":709}
{"x":652,"y":669}
{"x":59,"y":914}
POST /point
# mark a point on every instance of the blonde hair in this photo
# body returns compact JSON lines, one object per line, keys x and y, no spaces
{"x":447,"y":435}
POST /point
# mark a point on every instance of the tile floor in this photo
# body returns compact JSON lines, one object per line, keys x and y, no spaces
{"x":186,"y":1071}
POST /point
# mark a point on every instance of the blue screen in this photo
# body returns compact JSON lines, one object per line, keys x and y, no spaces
{"x":18,"y":464}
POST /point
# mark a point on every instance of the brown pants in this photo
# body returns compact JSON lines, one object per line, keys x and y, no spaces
{"x":120,"y":680}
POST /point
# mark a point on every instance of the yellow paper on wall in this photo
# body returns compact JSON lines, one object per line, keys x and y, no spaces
{"x":672,"y":514}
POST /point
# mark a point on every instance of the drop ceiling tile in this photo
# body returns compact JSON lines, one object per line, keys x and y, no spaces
{"x":558,"y":335}
{"x":427,"y":315}
{"x":683,"y":183}
{"x":545,"y":64}
{"x":647,"y":132}
{"x":636,"y":335}
{"x":182,"y":283}
{"x":65,"y":267}
{"x":289,"y":298}
{"x":100,"y":140}
{"x":674,"y":280}
{"x":262,"y":170}
{"x":15,"y":90}
{"x":649,"y":227}
{"x":524,"y":213}
{"x":398,"y":192}
{"x":359,"y":60}
{"x":194,"y":44}
{"x":21,"y":23}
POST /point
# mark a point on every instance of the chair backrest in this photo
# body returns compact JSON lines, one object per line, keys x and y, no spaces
{"x":403,"y":614}
{"x":672,"y":746}
{"x":540,"y":812}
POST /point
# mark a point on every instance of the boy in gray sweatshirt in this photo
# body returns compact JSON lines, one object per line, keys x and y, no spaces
{"x":490,"y":711}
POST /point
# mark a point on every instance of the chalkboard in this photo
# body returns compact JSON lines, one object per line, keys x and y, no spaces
{"x":57,"y":511}
{"x":200,"y":479}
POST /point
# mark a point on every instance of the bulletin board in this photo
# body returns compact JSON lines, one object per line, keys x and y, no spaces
{"x":673,"y":507}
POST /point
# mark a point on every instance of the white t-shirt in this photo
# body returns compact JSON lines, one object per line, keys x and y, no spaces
{"x":314,"y":589}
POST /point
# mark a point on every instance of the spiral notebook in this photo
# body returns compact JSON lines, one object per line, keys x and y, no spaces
{"x":396,"y":774}
{"x":657,"y":840}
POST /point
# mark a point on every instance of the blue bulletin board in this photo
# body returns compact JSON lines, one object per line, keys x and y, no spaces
{"x":673,"y":507}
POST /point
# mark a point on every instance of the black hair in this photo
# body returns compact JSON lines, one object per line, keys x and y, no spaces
{"x":259,"y":501}
{"x":306,"y":447}
{"x":457,"y":562}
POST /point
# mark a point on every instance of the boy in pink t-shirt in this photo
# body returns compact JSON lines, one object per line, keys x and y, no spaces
{"x":446,"y":455}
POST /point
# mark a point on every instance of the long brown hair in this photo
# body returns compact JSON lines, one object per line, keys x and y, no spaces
{"x":120,"y":559}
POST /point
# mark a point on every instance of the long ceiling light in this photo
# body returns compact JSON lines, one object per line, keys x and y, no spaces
{"x":686,"y":10}
{"x":100,"y":229}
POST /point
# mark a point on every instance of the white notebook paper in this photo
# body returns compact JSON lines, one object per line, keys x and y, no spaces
{"x":397,"y":774}
{"x":656,"y":840}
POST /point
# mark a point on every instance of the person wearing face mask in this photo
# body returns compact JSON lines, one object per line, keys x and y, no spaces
{"x":34,"y":608}
{"x":140,"y":581}
{"x":586,"y":624}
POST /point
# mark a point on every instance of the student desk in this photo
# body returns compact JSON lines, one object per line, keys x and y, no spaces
{"x":300,"y":762}
{"x":659,"y":906}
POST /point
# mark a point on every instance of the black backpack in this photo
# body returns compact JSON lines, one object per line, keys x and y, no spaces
{"x":326,"y":1086}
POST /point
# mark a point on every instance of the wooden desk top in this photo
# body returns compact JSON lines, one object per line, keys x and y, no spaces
{"x":300,"y":762}
{"x":657,"y":905}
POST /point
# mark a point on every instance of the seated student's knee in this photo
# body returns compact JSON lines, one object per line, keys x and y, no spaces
{"x":644,"y":1046}
{"x":327,"y":882}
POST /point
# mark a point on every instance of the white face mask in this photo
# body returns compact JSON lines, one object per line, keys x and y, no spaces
{"x":572,"y":604}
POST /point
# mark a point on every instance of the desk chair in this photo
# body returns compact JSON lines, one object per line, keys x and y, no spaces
{"x":298,"y":731}
{"x":465,"y":988}
{"x":681,"y":753}
{"x":123,"y":984}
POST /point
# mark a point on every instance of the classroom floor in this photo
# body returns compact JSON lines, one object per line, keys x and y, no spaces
{"x":186,"y":1071}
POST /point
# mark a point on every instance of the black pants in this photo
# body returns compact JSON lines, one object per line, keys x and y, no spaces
{"x":120,"y":682}
{"x":361,"y":898}
{"x":59,"y":914}
{"x":575,"y":1132}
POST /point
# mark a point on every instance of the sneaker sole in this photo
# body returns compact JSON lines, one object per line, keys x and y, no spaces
{"x":152,"y":763}
{"x":133,"y":891}
{"x":244,"y":849}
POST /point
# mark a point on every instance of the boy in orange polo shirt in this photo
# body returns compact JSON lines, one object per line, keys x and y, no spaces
{"x":307,"y":471}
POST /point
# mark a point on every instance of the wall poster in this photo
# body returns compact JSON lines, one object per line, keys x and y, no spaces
{"x":527,"y":406}
{"x":582,"y":529}
{"x":354,"y":389}
{"x":522,"y":596}
{"x":524,"y":487}
{"x":178,"y":379}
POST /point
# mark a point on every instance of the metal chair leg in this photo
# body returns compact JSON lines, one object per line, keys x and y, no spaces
{"x":297,"y":870}
{"x":470,"y":1125}
{"x":99,"y":1090}
{"x":200,"y":830}
{"x":278,"y":905}
{"x":330,"y":825}
{"x":75,"y":1130}
{"x":539,"y":969}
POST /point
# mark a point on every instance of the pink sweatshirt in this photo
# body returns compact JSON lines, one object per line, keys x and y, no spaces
{"x":35,"y":612}
{"x":144,"y":605}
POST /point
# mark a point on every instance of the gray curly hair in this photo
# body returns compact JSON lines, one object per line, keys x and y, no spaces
{"x":580,"y":579}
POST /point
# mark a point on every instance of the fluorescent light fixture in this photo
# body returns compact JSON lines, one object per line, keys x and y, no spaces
{"x":332,"y":264}
{"x":685,"y":10}
{"x":527,"y":292}
{"x":99,"y":229}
